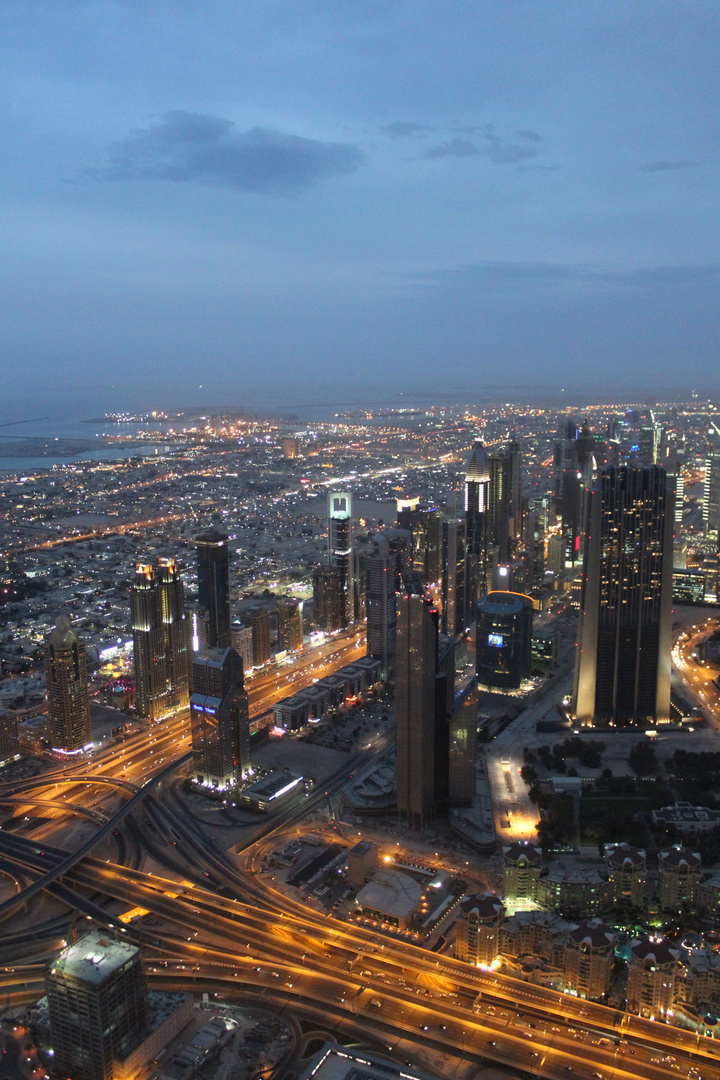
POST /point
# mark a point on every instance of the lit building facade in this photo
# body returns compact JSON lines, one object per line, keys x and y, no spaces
{"x":477,"y":929}
{"x":589,"y":956}
{"x":219,"y":719}
{"x":160,"y":640}
{"x":679,"y":872}
{"x":67,"y":689}
{"x":652,"y":970}
{"x":340,"y":550}
{"x":290,"y":623}
{"x":97,"y":1004}
{"x":622,"y":668}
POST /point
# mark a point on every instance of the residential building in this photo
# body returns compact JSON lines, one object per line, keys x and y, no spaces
{"x":219,"y":719}
{"x":679,"y":877}
{"x":589,"y":956}
{"x":477,"y":929}
{"x":652,"y":970}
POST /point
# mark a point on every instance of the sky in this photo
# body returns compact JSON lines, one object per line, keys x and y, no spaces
{"x":253,"y":202}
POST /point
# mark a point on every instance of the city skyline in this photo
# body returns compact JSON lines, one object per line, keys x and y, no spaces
{"x":293,"y":205}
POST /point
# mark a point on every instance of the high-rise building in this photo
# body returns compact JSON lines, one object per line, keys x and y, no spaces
{"x":340,"y":549}
{"x":160,"y":639}
{"x":258,"y":619}
{"x":9,"y":738}
{"x":290,"y":623}
{"x":219,"y":719}
{"x":462,"y":750}
{"x":477,"y":485}
{"x":454,"y":563}
{"x":97,"y":1004}
{"x":328,"y":598}
{"x":503,"y":528}
{"x":213,"y":568}
{"x":421,"y":712}
{"x":574,"y":465}
{"x":711,"y":494}
{"x":380,"y":605}
{"x":242,"y":643}
{"x":424,"y":525}
{"x":478,"y":929}
{"x":652,"y":970}
{"x":67,"y":689}
{"x":622,"y":668}
{"x":504,"y":639}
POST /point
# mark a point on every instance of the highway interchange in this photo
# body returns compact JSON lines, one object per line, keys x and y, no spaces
{"x":219,"y":926}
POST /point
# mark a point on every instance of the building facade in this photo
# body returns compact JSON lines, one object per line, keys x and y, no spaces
{"x":219,"y":719}
{"x":160,"y":640}
{"x":622,"y":669}
{"x":97,"y":1004}
{"x":213,"y":570}
{"x":340,"y":550}
{"x":504,"y":640}
{"x":67,"y":689}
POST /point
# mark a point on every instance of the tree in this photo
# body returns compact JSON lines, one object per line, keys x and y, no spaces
{"x":642,"y":759}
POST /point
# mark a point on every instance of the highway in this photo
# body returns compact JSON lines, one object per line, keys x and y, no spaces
{"x":220,"y":926}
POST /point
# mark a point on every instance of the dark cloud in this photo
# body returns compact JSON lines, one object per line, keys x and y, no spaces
{"x":458,"y":148}
{"x":403,"y":128}
{"x":191,"y":148}
{"x":667,"y":166}
{"x":493,"y":146}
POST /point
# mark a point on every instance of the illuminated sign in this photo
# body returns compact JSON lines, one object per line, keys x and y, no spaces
{"x":496,"y":640}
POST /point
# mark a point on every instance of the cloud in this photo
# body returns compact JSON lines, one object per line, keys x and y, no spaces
{"x":458,"y":148}
{"x":192,"y":148}
{"x":493,"y":147}
{"x":403,"y":128}
{"x":666,"y":166}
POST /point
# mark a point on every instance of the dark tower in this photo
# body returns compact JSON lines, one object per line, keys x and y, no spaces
{"x":67,"y":689}
{"x":477,"y":485}
{"x":381,"y":572}
{"x":214,"y":586}
{"x":622,"y":667}
{"x":219,"y":718}
{"x":340,"y":549}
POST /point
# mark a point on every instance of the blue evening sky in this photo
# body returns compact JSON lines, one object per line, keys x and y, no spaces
{"x":245,"y":201}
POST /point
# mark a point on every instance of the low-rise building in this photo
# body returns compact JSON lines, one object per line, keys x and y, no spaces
{"x":686,"y":818}
{"x":589,"y":954}
{"x":522,"y":865}
{"x":679,"y":877}
{"x":652,"y":970}
{"x":576,"y":892}
{"x":626,"y":867}
{"x":477,"y":929}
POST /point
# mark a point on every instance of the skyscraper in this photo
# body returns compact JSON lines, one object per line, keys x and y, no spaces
{"x":219,"y":718}
{"x":423,"y":522}
{"x":504,"y":636}
{"x":290,"y":623}
{"x":97,"y":1004}
{"x":340,"y":549}
{"x":504,"y":500}
{"x":453,"y":575}
{"x":417,"y":705}
{"x":328,"y":598}
{"x":711,"y":494}
{"x":258,"y":619}
{"x":477,"y":485}
{"x":214,"y":585}
{"x":380,"y":569}
{"x":622,"y":666}
{"x":160,"y":639}
{"x":67,"y":689}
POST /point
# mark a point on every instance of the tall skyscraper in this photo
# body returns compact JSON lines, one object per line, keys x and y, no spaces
{"x":622,"y":667}
{"x":574,"y":466}
{"x":380,"y":569}
{"x":160,"y":639}
{"x":290,"y":623}
{"x":340,"y":549}
{"x":504,"y":505}
{"x":213,"y":568}
{"x":97,"y":1004}
{"x":423,"y":522}
{"x":504,"y":636}
{"x":67,"y":689}
{"x":328,"y":598}
{"x":421,"y":710}
{"x":477,"y":488}
{"x":258,"y":619}
{"x":454,"y":563}
{"x":711,"y":494}
{"x":219,"y":718}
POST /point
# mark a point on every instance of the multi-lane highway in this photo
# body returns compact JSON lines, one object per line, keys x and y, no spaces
{"x":220,"y":926}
